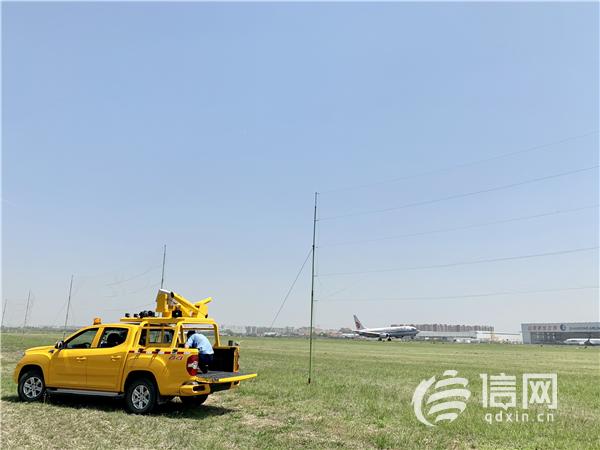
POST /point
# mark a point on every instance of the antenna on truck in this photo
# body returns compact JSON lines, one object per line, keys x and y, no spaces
{"x":162,"y":277}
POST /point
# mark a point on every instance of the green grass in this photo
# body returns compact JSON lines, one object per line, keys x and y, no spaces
{"x":360,"y":398}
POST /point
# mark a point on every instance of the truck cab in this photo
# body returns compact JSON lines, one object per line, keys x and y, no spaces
{"x":141,"y":358}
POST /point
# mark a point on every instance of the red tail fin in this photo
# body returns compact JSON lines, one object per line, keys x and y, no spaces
{"x":359,"y":326}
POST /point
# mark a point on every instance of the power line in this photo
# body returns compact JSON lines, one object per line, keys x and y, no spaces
{"x":125,"y":268}
{"x":130,"y":308}
{"x":466,"y":194}
{"x":134,"y":276}
{"x":466,"y":263}
{"x":148,"y":285}
{"x":58,"y":313}
{"x":465,"y":164}
{"x":465,"y":227}
{"x":453,"y":297}
{"x":290,"y":289}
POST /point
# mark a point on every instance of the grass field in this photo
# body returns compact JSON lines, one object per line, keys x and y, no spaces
{"x":360,"y":398}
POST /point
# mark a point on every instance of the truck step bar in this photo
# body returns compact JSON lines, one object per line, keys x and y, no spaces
{"x":83,"y":392}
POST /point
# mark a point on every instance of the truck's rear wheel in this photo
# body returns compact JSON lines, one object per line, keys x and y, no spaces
{"x":140,"y":396}
{"x":31,"y":386}
{"x":195,"y":400}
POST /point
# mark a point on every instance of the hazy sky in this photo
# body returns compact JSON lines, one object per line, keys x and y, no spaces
{"x":209,"y":126}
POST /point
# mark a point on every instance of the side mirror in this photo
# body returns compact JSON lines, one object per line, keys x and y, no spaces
{"x":59,"y":345}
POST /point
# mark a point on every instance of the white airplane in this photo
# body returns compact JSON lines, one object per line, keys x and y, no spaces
{"x":385,"y":333}
{"x":579,"y":341}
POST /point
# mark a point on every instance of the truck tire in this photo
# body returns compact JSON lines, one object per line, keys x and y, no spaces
{"x":193,"y":401}
{"x":140,"y":396}
{"x":31,"y":386}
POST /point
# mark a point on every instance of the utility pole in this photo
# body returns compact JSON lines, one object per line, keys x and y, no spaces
{"x":26,"y":310}
{"x":4,"y":312}
{"x":68,"y":307}
{"x":162,"y":278}
{"x":312,"y":293}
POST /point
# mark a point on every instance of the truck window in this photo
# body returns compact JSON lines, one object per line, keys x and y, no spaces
{"x":206,"y":330}
{"x":143,"y":337}
{"x":158,"y":337}
{"x":168,"y":336}
{"x":82,"y":340}
{"x":111,"y":337}
{"x":155,"y":337}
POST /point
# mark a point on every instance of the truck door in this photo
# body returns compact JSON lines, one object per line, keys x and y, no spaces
{"x":68,"y":366}
{"x":106,"y":359}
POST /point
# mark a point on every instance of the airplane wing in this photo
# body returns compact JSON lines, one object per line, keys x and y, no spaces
{"x":372,"y":334}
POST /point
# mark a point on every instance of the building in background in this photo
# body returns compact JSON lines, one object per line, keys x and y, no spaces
{"x":559,"y":332}
{"x":448,"y":327}
{"x":471,"y":337}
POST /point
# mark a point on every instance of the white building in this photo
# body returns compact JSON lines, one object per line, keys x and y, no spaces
{"x":470,"y":336}
{"x":557,"y":333}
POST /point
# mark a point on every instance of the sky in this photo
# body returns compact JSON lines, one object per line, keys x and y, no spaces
{"x":445,"y":140}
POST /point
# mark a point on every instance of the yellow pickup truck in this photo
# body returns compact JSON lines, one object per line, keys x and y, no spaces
{"x":141,"y":358}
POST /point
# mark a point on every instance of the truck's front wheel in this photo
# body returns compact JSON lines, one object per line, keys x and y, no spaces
{"x":140,"y":396}
{"x":31,"y":386}
{"x":195,"y":400}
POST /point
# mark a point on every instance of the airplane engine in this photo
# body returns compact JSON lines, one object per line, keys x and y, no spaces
{"x":383,"y":336}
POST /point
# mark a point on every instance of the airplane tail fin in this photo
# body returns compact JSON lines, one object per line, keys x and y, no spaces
{"x":359,"y":326}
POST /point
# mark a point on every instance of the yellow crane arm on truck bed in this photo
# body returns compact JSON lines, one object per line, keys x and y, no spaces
{"x":167,"y":302}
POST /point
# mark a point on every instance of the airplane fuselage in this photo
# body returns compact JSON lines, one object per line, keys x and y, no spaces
{"x":388,"y":332}
{"x":581,"y":341}
{"x":385,"y":332}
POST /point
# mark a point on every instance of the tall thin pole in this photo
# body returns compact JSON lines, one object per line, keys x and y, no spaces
{"x":162,"y":278}
{"x":312,"y":293}
{"x":68,"y":307}
{"x":26,"y":310}
{"x":4,"y":312}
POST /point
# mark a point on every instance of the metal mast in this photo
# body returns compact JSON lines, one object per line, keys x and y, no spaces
{"x":26,"y":310}
{"x":162,"y":278}
{"x":68,"y":307}
{"x":4,"y":312}
{"x":312,"y":293}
